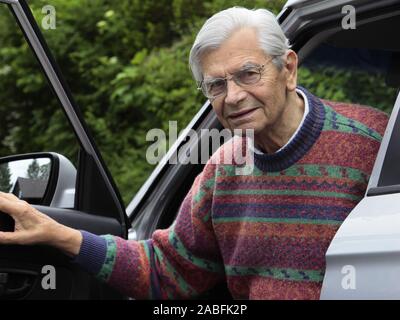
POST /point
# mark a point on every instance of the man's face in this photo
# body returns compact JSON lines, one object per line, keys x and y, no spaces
{"x":258,"y":106}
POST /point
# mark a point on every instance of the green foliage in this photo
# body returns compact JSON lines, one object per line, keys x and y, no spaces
{"x":33,"y":170}
{"x":348,"y":86}
{"x":126,"y":63}
{"x":5,"y":178}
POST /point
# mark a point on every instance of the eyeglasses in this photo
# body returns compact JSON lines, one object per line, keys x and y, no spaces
{"x":247,"y":76}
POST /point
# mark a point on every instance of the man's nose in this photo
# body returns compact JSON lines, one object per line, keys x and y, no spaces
{"x":234,"y":93}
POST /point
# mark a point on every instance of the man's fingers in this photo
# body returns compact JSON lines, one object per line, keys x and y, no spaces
{"x":8,"y":238}
{"x":9,"y":196}
{"x":4,"y":204}
{"x":10,"y":206}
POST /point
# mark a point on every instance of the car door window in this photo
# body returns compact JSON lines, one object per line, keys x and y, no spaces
{"x":350,"y":74}
{"x":390,"y":172}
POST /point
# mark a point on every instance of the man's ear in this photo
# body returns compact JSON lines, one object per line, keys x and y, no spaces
{"x":290,"y":66}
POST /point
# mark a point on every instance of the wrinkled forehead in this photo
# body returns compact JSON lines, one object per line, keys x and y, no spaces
{"x":240,"y":48}
{"x":214,"y":64}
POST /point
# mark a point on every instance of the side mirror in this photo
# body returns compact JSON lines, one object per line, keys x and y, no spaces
{"x":39,"y":178}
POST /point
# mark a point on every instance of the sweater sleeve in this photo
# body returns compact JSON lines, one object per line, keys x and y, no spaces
{"x":180,"y":262}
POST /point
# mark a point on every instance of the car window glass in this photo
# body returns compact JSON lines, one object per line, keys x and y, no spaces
{"x":360,"y":66}
{"x":390,"y":173}
{"x":354,"y":75}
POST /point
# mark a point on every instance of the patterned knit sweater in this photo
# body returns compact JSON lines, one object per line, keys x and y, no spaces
{"x":265,"y":234}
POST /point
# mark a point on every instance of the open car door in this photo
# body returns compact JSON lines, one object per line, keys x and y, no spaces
{"x":78,"y":192}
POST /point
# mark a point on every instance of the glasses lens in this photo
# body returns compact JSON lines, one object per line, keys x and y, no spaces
{"x":214,"y":88}
{"x":250,"y":76}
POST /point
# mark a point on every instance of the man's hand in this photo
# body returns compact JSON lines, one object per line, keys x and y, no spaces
{"x":34,"y":227}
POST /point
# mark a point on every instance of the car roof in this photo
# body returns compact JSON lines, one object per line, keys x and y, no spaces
{"x":292,"y":2}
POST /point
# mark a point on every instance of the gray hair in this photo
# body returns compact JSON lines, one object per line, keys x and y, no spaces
{"x":221,"y":26}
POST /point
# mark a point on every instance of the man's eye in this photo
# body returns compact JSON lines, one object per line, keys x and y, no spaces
{"x":248,"y":76}
{"x":216,"y":85}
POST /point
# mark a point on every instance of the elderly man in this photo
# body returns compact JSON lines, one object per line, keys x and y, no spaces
{"x":265,"y":233}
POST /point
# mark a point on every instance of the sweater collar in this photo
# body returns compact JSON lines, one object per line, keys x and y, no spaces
{"x":300,"y":144}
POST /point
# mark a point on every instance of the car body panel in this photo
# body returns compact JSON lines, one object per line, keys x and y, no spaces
{"x":363,"y":259}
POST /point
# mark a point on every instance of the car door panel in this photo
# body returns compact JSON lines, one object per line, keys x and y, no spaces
{"x":23,"y":268}
{"x":80,"y":220}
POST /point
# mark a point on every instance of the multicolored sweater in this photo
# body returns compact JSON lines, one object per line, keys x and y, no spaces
{"x":266,"y":233}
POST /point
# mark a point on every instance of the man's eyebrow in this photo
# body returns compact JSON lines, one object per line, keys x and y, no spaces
{"x":249,"y":64}
{"x":210,"y":79}
{"x":245,"y":66}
